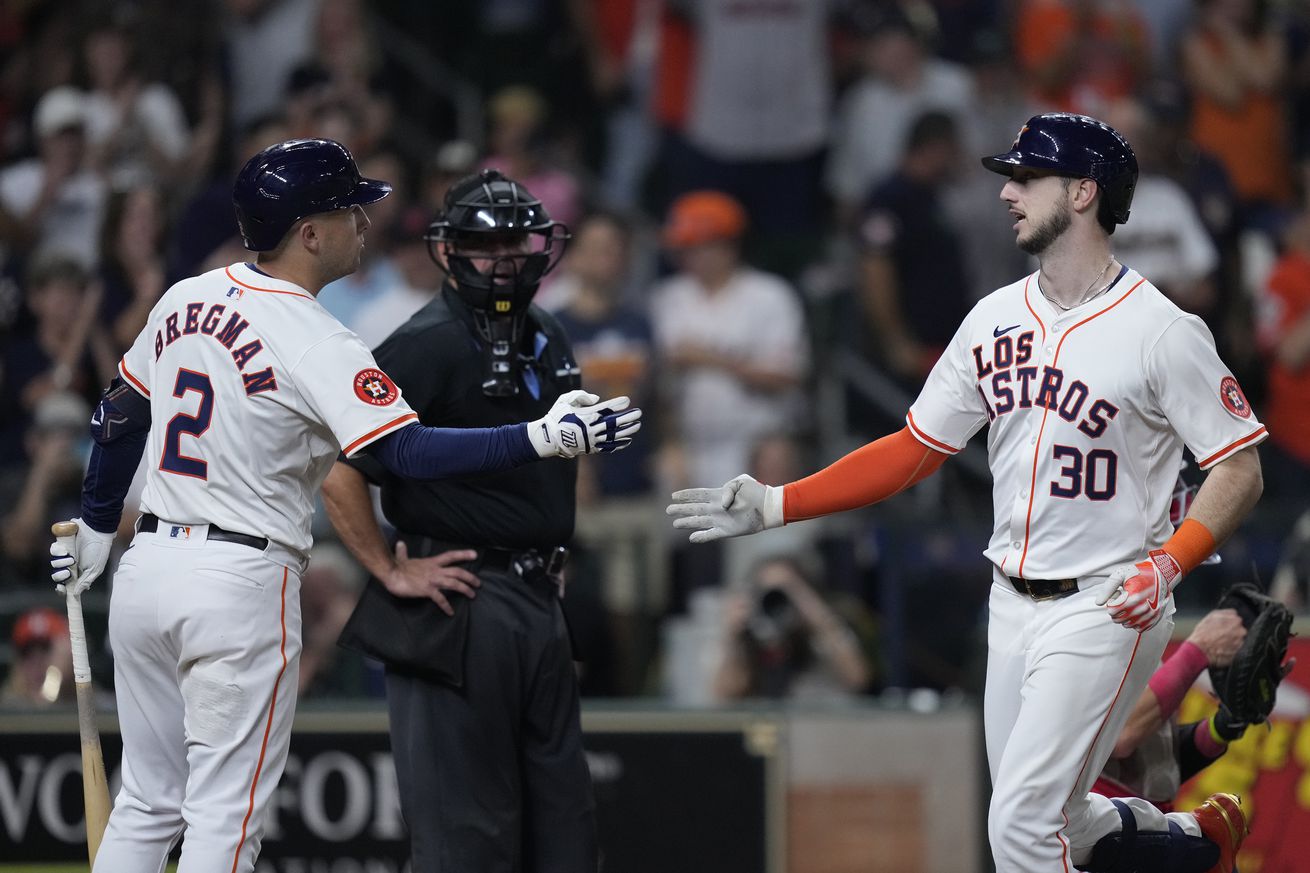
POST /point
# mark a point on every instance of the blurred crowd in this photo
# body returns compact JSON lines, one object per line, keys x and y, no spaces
{"x":778,"y":221}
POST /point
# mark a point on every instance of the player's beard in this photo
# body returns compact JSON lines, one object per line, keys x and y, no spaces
{"x":1049,"y":230}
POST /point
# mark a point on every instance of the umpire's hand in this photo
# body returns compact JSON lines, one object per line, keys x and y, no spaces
{"x":431,"y":577}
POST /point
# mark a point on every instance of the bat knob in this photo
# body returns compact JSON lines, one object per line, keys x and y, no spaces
{"x":64,"y":529}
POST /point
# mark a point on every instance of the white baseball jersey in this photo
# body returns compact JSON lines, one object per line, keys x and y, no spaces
{"x":254,"y":388}
{"x":1089,"y":412}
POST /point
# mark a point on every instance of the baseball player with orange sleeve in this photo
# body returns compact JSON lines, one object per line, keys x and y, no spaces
{"x":242,"y":391}
{"x":1091,"y":383}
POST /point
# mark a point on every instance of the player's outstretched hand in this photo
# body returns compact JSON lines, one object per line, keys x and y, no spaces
{"x":74,"y":571}
{"x":1137,"y":595}
{"x":580,"y":423}
{"x":742,"y":506}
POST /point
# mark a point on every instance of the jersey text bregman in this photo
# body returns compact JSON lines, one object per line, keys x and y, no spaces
{"x":1064,"y":460}
{"x":228,"y":334}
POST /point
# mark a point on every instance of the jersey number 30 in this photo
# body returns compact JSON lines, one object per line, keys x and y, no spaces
{"x":173,"y":461}
{"x":1092,"y":474}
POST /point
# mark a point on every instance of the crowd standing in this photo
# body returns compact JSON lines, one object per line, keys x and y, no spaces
{"x":778,"y":218}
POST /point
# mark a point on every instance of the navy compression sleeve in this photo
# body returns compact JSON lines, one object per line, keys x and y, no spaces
{"x":418,"y":452}
{"x":119,"y":429}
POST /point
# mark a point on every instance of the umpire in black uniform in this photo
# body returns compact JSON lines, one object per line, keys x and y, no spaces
{"x":466,"y":611}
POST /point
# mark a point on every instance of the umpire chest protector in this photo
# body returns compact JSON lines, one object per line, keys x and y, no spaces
{"x":437,"y":361}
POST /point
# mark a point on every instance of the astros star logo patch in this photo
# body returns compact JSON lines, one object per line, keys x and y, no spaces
{"x":375,"y":387}
{"x":1230,"y":394}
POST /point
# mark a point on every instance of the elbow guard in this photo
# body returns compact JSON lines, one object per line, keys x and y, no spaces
{"x":122,"y":412}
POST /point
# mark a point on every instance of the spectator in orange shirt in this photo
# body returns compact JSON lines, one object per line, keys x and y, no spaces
{"x":1235,"y":65}
{"x":1079,"y":55}
{"x":1284,"y":335}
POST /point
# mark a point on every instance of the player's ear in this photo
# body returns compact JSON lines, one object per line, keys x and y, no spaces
{"x":307,"y":234}
{"x":1084,"y":193}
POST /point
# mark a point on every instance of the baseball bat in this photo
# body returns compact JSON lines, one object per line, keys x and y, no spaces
{"x":95,"y":787}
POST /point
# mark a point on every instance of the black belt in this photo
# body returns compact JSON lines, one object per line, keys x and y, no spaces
{"x":150,"y":524}
{"x":489,"y":557}
{"x":1044,"y":589}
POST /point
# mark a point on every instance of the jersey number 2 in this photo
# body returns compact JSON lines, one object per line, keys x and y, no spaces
{"x":1093,"y":474}
{"x":173,"y":461}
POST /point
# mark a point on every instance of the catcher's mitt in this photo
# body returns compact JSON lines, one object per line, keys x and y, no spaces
{"x":1248,"y":686}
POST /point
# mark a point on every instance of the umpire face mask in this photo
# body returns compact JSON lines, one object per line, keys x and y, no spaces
{"x":496,"y":241}
{"x":497,"y":276}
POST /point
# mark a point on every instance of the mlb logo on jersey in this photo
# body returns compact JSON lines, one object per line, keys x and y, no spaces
{"x":375,"y":387}
{"x":180,"y":532}
{"x":235,"y":292}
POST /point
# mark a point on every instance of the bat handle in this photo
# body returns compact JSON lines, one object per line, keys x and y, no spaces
{"x":77,"y":640}
{"x":66,"y":534}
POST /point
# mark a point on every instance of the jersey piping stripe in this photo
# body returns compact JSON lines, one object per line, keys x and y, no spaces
{"x":1032,"y":485}
{"x":268,"y":728}
{"x":377,"y":432}
{"x":1088,"y":757}
{"x":1233,"y":447}
{"x":1040,"y":323}
{"x":127,"y":374}
{"x":1064,"y":842}
{"x":927,"y":440}
{"x":228,"y":270}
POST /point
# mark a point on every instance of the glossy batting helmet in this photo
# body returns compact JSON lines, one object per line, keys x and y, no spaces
{"x":1078,"y":146}
{"x":291,"y":180}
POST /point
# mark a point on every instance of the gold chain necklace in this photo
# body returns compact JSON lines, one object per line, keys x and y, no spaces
{"x":1087,"y":295}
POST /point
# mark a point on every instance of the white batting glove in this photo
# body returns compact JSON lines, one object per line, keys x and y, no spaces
{"x":1137,"y":595}
{"x":85,"y":564}
{"x":742,"y":506}
{"x":580,"y":423}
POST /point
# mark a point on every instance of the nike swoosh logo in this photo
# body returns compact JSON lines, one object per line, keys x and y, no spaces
{"x":996,"y":331}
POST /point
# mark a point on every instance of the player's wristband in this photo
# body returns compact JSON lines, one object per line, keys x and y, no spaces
{"x":1207,"y":742}
{"x":1223,"y":731}
{"x":1171,"y":681}
{"x":1190,"y":545}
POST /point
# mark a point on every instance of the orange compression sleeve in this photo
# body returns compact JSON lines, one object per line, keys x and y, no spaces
{"x":1191,"y":544}
{"x":867,"y":475}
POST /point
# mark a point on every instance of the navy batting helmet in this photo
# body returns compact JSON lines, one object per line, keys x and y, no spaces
{"x":1078,"y":146}
{"x":291,"y":180}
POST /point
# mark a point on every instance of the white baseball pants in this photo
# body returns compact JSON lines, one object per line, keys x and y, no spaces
{"x":206,"y":640}
{"x":1062,"y":679}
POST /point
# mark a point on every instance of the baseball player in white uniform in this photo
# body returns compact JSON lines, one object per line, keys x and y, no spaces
{"x":242,"y":390}
{"x":1091,"y":382}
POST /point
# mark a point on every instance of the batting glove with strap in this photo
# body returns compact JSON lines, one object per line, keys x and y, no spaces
{"x":73,"y":572}
{"x":1137,"y":595}
{"x":742,"y":506}
{"x":580,"y":423}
